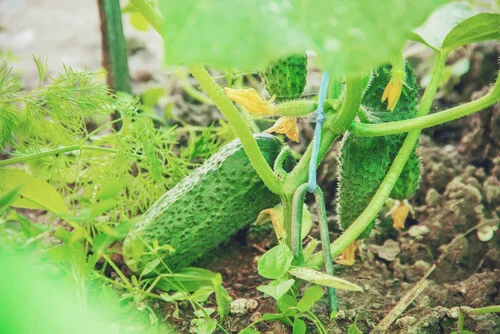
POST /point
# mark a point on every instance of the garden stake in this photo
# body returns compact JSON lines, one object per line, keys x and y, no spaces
{"x":320,"y":118}
{"x":318,"y":194}
{"x":297,"y":208}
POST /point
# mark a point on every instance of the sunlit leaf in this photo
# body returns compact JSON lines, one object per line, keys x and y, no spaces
{"x":311,"y":296}
{"x":34,"y":193}
{"x":350,"y":37}
{"x":456,"y":24}
{"x":434,"y":31}
{"x":277,"y":288}
{"x":299,"y":326}
{"x":275,"y":262}
{"x":480,"y":27}
{"x":321,"y":278}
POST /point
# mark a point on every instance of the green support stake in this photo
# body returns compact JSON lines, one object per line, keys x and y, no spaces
{"x":114,"y":49}
{"x":297,"y":208}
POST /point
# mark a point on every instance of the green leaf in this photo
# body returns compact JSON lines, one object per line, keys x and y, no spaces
{"x":441,"y":22}
{"x":480,"y":27}
{"x":275,"y":263}
{"x":272,"y":316}
{"x":249,"y":331}
{"x":276,"y":289}
{"x":287,"y":303}
{"x":205,"y":326}
{"x":34,"y":193}
{"x":150,"y":266}
{"x":223,"y":299}
{"x":299,"y":326}
{"x":456,"y":24}
{"x":311,"y":296}
{"x":320,"y":278}
{"x":350,"y":37}
{"x":191,"y":279}
{"x":9,"y":196}
{"x":151,"y":96}
{"x":353,"y":329}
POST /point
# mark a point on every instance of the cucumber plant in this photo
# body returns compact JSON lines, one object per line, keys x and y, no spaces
{"x":380,"y":117}
{"x":384,"y":119}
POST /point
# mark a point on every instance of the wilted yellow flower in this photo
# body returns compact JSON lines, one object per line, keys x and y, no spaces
{"x":399,"y":213}
{"x":392,"y":91}
{"x":287,"y":126}
{"x":347,"y":256}
{"x":251,"y":101}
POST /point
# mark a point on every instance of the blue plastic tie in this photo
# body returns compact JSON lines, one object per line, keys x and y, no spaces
{"x":320,"y":118}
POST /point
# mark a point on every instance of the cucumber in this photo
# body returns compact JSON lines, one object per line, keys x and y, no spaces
{"x":286,"y":78}
{"x":206,"y":208}
{"x":364,"y":161}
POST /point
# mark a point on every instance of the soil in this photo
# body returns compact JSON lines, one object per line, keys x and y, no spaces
{"x":456,"y":209}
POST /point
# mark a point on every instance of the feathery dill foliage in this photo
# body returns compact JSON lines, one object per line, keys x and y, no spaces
{"x":140,"y":160}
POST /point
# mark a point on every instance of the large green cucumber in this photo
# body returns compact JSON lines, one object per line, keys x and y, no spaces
{"x":364,"y":161}
{"x":206,"y":208}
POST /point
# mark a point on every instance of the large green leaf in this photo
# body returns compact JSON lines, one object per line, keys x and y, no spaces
{"x":456,"y":24}
{"x":349,"y":37}
{"x":34,"y":193}
{"x":478,"y":28}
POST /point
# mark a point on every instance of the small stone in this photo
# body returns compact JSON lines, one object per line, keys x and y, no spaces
{"x":251,"y":304}
{"x":453,"y":312}
{"x":238,"y":306}
{"x":432,"y":197}
{"x":389,"y":250}
{"x":405,"y":321}
{"x":418,"y":231}
{"x":256,"y":316}
{"x":340,"y":314}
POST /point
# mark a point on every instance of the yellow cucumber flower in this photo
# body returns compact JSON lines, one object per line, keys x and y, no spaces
{"x":392,"y":91}
{"x":287,"y":126}
{"x":399,"y":213}
{"x":251,"y":101}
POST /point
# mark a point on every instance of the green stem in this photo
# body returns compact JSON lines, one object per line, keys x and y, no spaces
{"x":53,"y":152}
{"x":334,"y":126}
{"x":474,"y":311}
{"x":297,"y":108}
{"x":150,"y":14}
{"x":114,"y":49}
{"x":296,"y":228}
{"x":419,"y":123}
{"x":288,"y":211}
{"x":378,"y":200}
{"x":239,"y":126}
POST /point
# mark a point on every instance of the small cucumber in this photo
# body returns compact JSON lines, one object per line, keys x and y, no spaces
{"x":206,"y":208}
{"x":286,"y":78}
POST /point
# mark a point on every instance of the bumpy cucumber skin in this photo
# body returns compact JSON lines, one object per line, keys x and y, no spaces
{"x":364,"y":161}
{"x":207,"y":207}
{"x":407,"y":103}
{"x":286,"y":78}
{"x":363,"y":165}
